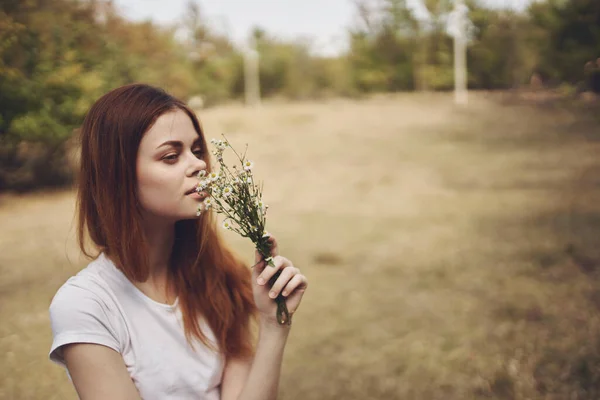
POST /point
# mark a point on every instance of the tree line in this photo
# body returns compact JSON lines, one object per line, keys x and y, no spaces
{"x":58,"y":56}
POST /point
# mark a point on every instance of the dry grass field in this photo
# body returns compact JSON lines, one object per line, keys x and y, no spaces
{"x":451,"y":253}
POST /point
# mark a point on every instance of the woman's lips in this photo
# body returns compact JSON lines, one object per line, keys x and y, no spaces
{"x":197,"y":195}
{"x":192,"y":190}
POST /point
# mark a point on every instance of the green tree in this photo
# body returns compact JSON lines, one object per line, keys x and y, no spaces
{"x":567,"y":36}
{"x":383,"y":47}
{"x":500,"y":55}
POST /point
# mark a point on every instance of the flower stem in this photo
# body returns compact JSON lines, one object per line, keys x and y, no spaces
{"x":283,"y":315}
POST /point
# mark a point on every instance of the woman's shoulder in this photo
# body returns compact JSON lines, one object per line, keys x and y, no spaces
{"x":84,"y":310}
{"x":89,"y":284}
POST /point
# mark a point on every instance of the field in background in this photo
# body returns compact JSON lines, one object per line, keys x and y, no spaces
{"x":451,"y":253}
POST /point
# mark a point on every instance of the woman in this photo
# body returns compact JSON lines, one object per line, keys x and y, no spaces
{"x":164,"y":309}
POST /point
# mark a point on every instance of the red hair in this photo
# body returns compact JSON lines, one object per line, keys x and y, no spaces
{"x":209,"y":279}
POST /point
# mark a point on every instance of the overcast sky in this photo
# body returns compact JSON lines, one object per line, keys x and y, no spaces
{"x":325,"y":21}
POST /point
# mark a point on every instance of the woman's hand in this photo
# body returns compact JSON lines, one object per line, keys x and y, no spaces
{"x":291,"y":284}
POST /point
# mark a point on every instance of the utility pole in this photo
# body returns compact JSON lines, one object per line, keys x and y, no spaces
{"x":251,"y":75}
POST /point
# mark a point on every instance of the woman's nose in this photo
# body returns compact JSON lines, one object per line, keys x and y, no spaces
{"x":196,"y":165}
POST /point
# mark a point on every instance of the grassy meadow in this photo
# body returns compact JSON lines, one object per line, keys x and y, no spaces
{"x":452,"y":253}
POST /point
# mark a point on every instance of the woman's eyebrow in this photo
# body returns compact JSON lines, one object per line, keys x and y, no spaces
{"x":178,"y":143}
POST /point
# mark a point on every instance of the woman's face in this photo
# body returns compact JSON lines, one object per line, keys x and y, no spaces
{"x":168,"y":160}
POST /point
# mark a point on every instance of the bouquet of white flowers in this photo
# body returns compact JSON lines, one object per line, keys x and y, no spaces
{"x":234,"y":194}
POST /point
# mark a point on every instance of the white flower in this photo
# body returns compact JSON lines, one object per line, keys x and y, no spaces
{"x":227,"y":191}
{"x":201,"y":174}
{"x":203,"y":184}
{"x":199,"y":211}
{"x":207,"y":203}
{"x":266,"y":234}
{"x":221,"y":144}
{"x":214,"y":176}
{"x":213,"y":141}
{"x":261,"y":206}
{"x":248,"y":165}
{"x":227,"y":224}
{"x":249,"y":180}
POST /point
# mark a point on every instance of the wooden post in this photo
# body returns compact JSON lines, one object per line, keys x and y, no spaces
{"x":251,"y":78}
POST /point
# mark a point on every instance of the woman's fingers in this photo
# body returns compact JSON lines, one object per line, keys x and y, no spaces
{"x":297,"y":286}
{"x":286,"y":275}
{"x":268,"y":271}
{"x":297,"y":282}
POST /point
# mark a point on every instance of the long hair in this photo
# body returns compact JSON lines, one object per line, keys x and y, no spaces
{"x":210,"y":281}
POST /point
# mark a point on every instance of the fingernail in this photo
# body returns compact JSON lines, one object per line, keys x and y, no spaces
{"x":272,"y":295}
{"x":260,"y":281}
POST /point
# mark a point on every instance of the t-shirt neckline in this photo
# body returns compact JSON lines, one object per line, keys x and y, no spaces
{"x":171,"y":307}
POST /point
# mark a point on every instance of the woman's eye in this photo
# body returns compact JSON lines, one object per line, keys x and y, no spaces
{"x":173,"y":157}
{"x":170,"y":157}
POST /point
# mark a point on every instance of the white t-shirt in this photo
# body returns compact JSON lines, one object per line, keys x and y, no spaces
{"x":100,"y":305}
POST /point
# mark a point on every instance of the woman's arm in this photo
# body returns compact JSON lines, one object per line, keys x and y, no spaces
{"x":98,"y":372}
{"x":257,"y":378}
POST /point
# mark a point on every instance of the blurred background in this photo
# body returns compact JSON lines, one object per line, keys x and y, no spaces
{"x":432,"y":166}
